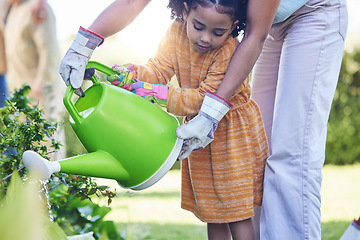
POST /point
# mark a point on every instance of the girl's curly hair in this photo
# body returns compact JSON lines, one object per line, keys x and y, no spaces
{"x":236,"y":9}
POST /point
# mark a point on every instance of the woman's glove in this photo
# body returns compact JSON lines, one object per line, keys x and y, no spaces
{"x":72,"y":66}
{"x":199,"y":131}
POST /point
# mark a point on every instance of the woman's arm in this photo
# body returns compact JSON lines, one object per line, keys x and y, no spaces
{"x":114,"y":18}
{"x":117,"y":16}
{"x":260,"y":15}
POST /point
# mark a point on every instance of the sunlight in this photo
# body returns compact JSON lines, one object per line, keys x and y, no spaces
{"x":151,"y":24}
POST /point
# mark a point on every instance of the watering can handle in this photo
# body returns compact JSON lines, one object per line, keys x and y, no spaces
{"x":70,"y":91}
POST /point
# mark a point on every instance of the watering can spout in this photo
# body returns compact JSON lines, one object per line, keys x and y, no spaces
{"x":86,"y":164}
{"x":39,"y":165}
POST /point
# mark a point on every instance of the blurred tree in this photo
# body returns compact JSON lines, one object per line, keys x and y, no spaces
{"x":344,"y":122}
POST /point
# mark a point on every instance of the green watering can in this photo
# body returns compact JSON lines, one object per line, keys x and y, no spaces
{"x":127,"y":138}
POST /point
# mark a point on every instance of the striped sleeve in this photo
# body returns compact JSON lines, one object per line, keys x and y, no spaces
{"x":186,"y":101}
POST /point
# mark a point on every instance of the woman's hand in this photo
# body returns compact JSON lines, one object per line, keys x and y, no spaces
{"x":199,"y":131}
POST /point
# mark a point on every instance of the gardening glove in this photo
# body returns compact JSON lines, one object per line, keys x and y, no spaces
{"x":353,"y":231}
{"x":126,"y":76}
{"x":199,"y":131}
{"x":72,"y":66}
{"x":155,"y":93}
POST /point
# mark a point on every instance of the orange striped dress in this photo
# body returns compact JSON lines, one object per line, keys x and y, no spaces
{"x":222,"y":182}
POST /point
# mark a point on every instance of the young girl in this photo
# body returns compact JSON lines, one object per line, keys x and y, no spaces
{"x":222,"y":182}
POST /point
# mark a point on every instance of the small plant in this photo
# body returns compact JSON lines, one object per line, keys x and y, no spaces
{"x":23,"y":126}
{"x":72,"y":208}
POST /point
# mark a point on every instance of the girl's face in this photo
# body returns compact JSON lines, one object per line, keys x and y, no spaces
{"x":206,"y":28}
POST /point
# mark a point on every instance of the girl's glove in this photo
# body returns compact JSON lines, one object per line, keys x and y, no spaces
{"x":127,"y":76}
{"x":155,"y":93}
{"x":72,"y":66}
{"x":199,"y":131}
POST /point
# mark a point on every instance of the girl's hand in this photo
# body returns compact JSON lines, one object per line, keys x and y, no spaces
{"x":125,"y":78}
{"x":155,"y":93}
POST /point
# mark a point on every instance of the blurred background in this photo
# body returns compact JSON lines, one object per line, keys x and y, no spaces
{"x":147,"y":29}
{"x":136,"y":43}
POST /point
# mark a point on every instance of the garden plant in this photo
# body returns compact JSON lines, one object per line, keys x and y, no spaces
{"x":23,"y":126}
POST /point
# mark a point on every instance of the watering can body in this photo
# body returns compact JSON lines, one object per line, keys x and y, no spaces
{"x":127,"y":138}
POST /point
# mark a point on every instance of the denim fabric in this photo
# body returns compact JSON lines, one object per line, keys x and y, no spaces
{"x":3,"y":90}
{"x":294,"y":81}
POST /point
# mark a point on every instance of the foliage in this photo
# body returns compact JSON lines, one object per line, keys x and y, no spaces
{"x":23,"y":126}
{"x":73,"y":210}
{"x":344,"y":122}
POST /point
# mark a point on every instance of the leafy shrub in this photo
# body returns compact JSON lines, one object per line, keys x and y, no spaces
{"x":73,"y":210}
{"x":344,"y":122}
{"x":24,"y":127}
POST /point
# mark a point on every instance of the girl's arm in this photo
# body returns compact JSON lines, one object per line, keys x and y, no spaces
{"x":187,"y":100}
{"x":260,"y":15}
{"x":117,"y":16}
